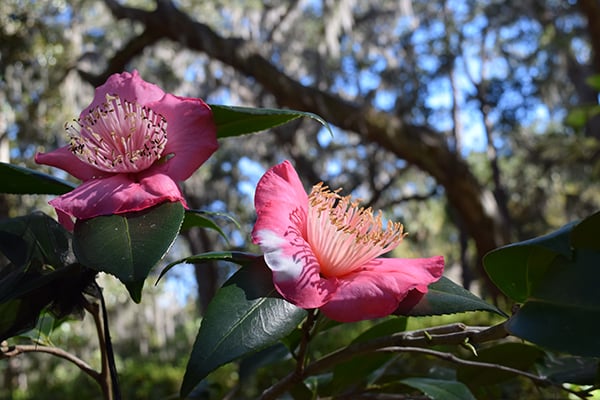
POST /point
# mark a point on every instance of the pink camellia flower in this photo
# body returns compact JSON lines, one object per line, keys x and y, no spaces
{"x":323,"y":251}
{"x":130,"y":147}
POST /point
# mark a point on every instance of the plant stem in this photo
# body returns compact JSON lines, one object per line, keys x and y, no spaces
{"x":453,"y":334}
{"x":109,"y":379}
{"x":306,"y":328}
{"x":13,"y":351}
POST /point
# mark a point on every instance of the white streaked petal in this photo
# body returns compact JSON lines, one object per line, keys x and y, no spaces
{"x":278,"y":261}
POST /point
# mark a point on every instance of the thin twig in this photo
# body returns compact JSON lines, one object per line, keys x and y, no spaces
{"x":453,"y":334}
{"x":108,"y":373}
{"x":13,"y":351}
{"x":541,"y":380}
{"x":301,"y":356}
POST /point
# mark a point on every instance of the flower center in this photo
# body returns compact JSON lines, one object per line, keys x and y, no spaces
{"x":118,"y":136}
{"x":345,"y":236}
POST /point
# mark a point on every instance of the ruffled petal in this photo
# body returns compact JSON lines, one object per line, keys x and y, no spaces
{"x":295,"y":269}
{"x":280,"y":202}
{"x":281,"y":205}
{"x":118,"y":194}
{"x":377,"y":289}
{"x":191,"y":134}
{"x":128,"y":86}
{"x":64,"y":159}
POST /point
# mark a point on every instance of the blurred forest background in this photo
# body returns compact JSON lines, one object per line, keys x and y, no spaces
{"x":474,"y":123}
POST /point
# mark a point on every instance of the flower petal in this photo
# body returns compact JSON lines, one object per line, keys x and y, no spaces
{"x":281,"y":205}
{"x":191,"y":134}
{"x":280,"y":202}
{"x":295,"y":269}
{"x":64,"y":159}
{"x":118,"y":194}
{"x":128,"y":86}
{"x":377,"y":289}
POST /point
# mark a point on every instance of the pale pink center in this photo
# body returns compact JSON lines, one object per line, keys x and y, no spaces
{"x":119,"y":136}
{"x":343,"y":235}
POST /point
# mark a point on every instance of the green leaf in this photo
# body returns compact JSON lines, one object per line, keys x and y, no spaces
{"x":517,"y":267}
{"x":60,"y":291}
{"x":236,"y":257}
{"x":245,"y":316}
{"x":557,"y":277}
{"x":586,"y":233}
{"x":35,"y":236}
{"x":128,"y":246}
{"x":515,"y":355}
{"x":563,"y":310}
{"x":446,"y":297}
{"x":439,"y":389}
{"x":569,"y":369}
{"x":205,"y":219}
{"x":20,"y":180}
{"x":558,"y":327}
{"x":236,"y":121}
{"x":19,"y":316}
{"x":43,"y":273}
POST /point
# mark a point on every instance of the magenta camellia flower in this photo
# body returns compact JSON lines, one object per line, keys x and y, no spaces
{"x":323,"y":251}
{"x":130,"y":147}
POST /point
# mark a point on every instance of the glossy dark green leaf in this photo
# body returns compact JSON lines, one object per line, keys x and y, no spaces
{"x":37,"y":247}
{"x":515,"y":268}
{"x":42,"y":273}
{"x":206,"y":219}
{"x":35,"y":236}
{"x":586,"y":234}
{"x":20,"y":180}
{"x":520,"y":356}
{"x":563,"y":311}
{"x":236,"y":257}
{"x":19,"y":315}
{"x":558,"y":327}
{"x":60,"y":291}
{"x":128,"y":246}
{"x":439,"y":389}
{"x":236,"y":121}
{"x":447,"y":297}
{"x":557,"y":277}
{"x":562,"y":368}
{"x":245,"y":316}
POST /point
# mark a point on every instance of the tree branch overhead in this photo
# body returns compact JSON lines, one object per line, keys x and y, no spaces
{"x":418,"y":145}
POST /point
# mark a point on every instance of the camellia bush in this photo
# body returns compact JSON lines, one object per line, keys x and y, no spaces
{"x":321,"y":264}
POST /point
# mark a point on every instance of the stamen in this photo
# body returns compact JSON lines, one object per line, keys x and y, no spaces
{"x":345,"y":236}
{"x":118,"y":136}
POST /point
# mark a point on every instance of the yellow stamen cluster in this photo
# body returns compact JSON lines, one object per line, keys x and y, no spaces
{"x":344,"y":235}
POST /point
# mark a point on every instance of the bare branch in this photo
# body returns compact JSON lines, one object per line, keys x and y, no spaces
{"x":540,"y":380}
{"x":121,"y":58}
{"x":7,"y":351}
{"x":453,"y":334}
